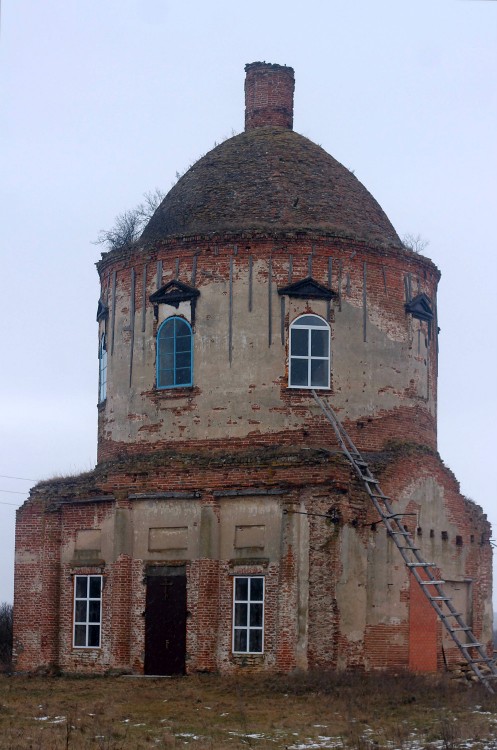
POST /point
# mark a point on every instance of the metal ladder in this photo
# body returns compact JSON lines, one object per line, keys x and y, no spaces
{"x":424,"y":572}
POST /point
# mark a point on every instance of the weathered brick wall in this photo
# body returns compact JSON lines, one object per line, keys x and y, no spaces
{"x":28,"y":588}
{"x":383,"y":379}
{"x":423,"y":629}
{"x":262,"y":211}
{"x":268,"y":95}
{"x":339,"y":597}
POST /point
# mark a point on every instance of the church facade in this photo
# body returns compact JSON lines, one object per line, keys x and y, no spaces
{"x":222,"y":529}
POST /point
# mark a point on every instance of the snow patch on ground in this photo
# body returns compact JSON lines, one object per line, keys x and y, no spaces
{"x":188,"y":736}
{"x":319,"y":743}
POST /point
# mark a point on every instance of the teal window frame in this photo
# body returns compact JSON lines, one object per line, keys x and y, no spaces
{"x":174,"y":356}
{"x":102,"y":369}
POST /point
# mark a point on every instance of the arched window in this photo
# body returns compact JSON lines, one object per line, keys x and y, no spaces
{"x":174,"y":354}
{"x":102,"y":369}
{"x":309,"y":353}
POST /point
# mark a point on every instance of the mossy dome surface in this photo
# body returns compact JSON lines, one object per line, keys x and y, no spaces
{"x":270,"y":179}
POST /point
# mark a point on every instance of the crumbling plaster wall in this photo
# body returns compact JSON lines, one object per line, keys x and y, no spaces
{"x":338,"y":594}
{"x":382,"y":359}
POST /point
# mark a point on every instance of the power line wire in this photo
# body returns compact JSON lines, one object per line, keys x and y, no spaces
{"x":23,"y":479}
{"x":4,"y":503}
{"x":14,"y":492}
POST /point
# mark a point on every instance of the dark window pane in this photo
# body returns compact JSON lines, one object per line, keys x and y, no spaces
{"x":166,"y":346}
{"x":94,"y":612}
{"x":95,"y":583}
{"x":256,"y":641}
{"x":182,"y":328}
{"x":310,"y":320}
{"x":319,"y":372}
{"x":319,"y":343}
{"x":183,"y":359}
{"x":300,"y":342}
{"x":80,"y":611}
{"x":174,"y":358}
{"x":240,"y":640}
{"x":256,"y":589}
{"x":241,"y":614}
{"x":183,"y":376}
{"x":183,"y":343}
{"x":80,"y":635}
{"x":241,"y":589}
{"x":298,"y":372}
{"x":166,"y":362}
{"x":167,"y":329}
{"x":94,"y":635}
{"x":81,"y":587}
{"x":256,"y":615}
{"x":166,"y":377}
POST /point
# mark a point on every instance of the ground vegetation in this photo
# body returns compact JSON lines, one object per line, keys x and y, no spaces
{"x":6,"y":618}
{"x":207,"y":712}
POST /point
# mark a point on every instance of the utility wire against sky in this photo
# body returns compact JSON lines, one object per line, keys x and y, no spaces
{"x":14,"y":492}
{"x":22,"y":479}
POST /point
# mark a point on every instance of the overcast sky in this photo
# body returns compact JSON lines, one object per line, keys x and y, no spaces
{"x":103,"y":101}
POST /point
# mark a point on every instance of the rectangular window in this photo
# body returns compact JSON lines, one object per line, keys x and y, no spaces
{"x":87,"y":611}
{"x":102,"y":370}
{"x":248,"y":615}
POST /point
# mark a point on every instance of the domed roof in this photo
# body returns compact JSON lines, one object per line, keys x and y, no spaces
{"x":270,"y":179}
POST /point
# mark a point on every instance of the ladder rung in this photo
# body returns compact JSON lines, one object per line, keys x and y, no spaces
{"x":431,"y":583}
{"x":482,"y":660}
{"x":439,"y":602}
{"x":453,"y":614}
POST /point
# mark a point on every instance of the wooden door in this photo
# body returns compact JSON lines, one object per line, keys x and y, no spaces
{"x":165,"y":624}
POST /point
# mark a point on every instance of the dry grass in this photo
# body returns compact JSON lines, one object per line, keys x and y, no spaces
{"x":360,"y":712}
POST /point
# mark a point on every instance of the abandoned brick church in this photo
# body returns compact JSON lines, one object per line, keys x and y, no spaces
{"x":222,"y":528}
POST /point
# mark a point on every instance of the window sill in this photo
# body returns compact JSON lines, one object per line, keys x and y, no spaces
{"x":247,"y":660}
{"x":173,"y":393}
{"x":301,"y":390}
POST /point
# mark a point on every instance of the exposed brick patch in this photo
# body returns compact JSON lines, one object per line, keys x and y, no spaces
{"x":311,"y":481}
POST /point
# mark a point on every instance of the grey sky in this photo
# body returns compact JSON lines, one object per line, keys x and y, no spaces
{"x":103,"y":101}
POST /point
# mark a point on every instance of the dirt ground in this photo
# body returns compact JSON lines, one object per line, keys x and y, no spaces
{"x":298,"y":712}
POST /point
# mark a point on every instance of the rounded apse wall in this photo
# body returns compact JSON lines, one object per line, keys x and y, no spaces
{"x":240,"y":296}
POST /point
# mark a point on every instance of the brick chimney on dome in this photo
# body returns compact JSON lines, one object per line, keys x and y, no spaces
{"x":268,"y":95}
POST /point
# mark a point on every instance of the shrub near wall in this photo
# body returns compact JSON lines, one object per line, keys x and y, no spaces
{"x":5,"y":636}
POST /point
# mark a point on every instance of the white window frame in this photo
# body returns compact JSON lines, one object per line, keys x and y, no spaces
{"x":86,"y":622}
{"x":249,"y":602}
{"x":309,"y":358}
